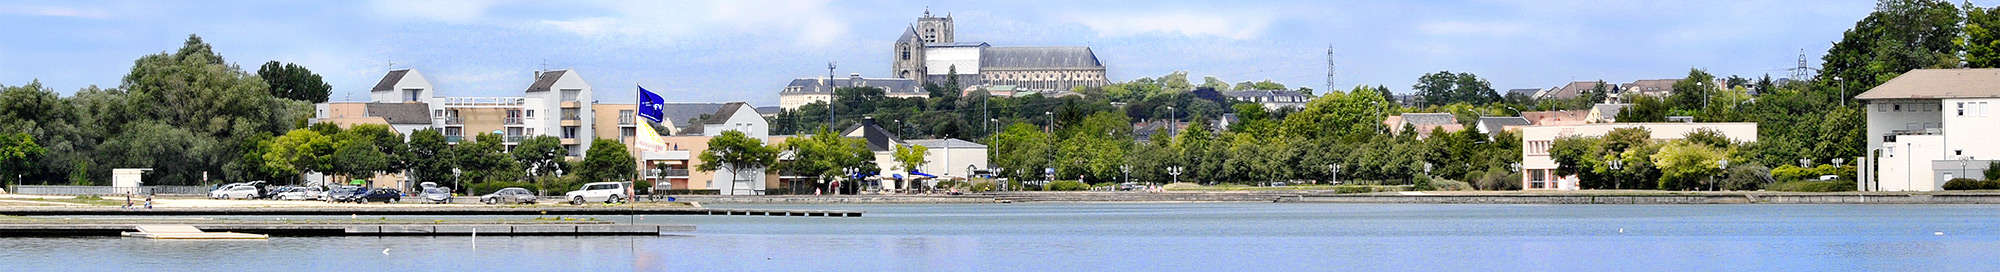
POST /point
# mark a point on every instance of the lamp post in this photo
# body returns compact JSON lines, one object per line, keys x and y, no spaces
{"x":1721,"y":166}
{"x":1843,"y":90}
{"x":1175,"y":118}
{"x":1128,"y":172}
{"x":1333,"y":174}
{"x":1052,"y":121}
{"x":1176,"y":172}
{"x":1617,"y":166}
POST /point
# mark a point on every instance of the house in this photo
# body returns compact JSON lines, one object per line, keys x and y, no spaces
{"x":1555,"y":118}
{"x":1574,"y":89}
{"x":806,"y":90}
{"x":1928,"y":126}
{"x":1270,"y":99}
{"x":692,"y":140}
{"x":1528,"y":93}
{"x":1490,"y":125}
{"x":951,"y":157}
{"x":1538,"y":168}
{"x":1424,"y":123}
{"x":946,"y":157}
{"x":555,"y":103}
{"x":1604,"y":113}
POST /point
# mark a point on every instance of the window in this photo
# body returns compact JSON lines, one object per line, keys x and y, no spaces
{"x":513,"y":113}
{"x":1537,"y":175}
{"x":437,"y":113}
{"x":1890,"y":150}
{"x":454,"y":131}
{"x":1897,"y":107}
{"x":531,"y":113}
{"x":569,"y":132}
{"x":1961,"y":108}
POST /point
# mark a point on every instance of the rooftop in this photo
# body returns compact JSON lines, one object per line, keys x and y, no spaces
{"x":1937,"y":84}
{"x":1039,"y":57}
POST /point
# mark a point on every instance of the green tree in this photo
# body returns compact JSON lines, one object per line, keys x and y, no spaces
{"x":1693,"y":91}
{"x":607,"y":160}
{"x":1645,"y":108}
{"x":291,"y":81}
{"x":358,"y":158}
{"x":825,"y":155}
{"x":431,"y":159}
{"x":1350,"y":116}
{"x":18,"y":152}
{"x":485,"y":160}
{"x":541,"y":155}
{"x":194,"y":92}
{"x":1687,"y":166}
{"x":910,"y":158}
{"x":1445,"y":87}
{"x":1981,"y":42}
{"x":736,"y":152}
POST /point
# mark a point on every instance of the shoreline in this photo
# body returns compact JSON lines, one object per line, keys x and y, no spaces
{"x":1570,"y":197}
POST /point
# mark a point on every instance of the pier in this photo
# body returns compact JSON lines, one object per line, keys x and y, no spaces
{"x":408,"y":210}
{"x":354,"y":229}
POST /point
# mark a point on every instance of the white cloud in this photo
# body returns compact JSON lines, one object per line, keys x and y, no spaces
{"x":55,"y":12}
{"x":1473,"y":28}
{"x":810,"y":22}
{"x":1188,"y":23}
{"x":449,"y":11}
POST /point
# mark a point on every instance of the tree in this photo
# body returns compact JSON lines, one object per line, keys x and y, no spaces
{"x":1645,"y":108}
{"x":825,"y":155}
{"x":194,"y":92}
{"x":1444,"y":88}
{"x":1687,"y":166}
{"x":358,"y":158}
{"x":485,"y":160}
{"x":18,"y":152}
{"x":909,"y":158}
{"x":1350,"y":116}
{"x":607,"y":160}
{"x":1900,"y":35}
{"x":541,"y":155}
{"x":1213,"y":83}
{"x":431,"y":159}
{"x":736,"y":152}
{"x":291,"y":81}
{"x":1693,"y":91}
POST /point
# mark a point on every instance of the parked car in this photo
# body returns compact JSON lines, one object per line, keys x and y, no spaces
{"x":439,"y":195}
{"x":607,"y":192}
{"x":510,"y":195}
{"x":238,"y":192}
{"x":301,"y":193}
{"x":345,"y":193}
{"x":385,"y":195}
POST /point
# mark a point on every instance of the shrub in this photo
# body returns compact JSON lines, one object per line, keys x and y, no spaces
{"x":1993,"y":171}
{"x":1746,"y":177}
{"x":1795,"y":173}
{"x":1499,"y":181}
{"x":983,"y":187}
{"x":1421,"y":183}
{"x":1814,"y":186}
{"x":1971,"y":184}
{"x":1068,"y":185}
{"x":1357,"y":189}
{"x":1450,"y":185}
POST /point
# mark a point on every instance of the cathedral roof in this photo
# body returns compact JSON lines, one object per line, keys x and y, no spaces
{"x":1039,"y":57}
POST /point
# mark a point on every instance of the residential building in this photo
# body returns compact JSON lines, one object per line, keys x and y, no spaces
{"x":1529,"y":93}
{"x":553,"y":104}
{"x":806,"y":90}
{"x":1270,"y":99}
{"x":1574,"y":89}
{"x":1490,"y":125}
{"x":1928,"y":126}
{"x":951,"y":157}
{"x":1538,"y":169}
{"x":927,"y":52}
{"x":693,"y":139}
{"x":1425,"y":123}
{"x":1604,"y":113}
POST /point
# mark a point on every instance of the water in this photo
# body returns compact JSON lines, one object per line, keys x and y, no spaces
{"x":1126,"y":237}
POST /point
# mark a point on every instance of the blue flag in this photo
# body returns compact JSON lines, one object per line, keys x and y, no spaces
{"x":651,"y":106}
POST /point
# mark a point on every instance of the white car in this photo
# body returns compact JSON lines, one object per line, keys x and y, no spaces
{"x":607,"y":192}
{"x":239,"y":191}
{"x":302,"y":193}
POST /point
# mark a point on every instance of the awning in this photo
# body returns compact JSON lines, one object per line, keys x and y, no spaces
{"x":921,"y":174}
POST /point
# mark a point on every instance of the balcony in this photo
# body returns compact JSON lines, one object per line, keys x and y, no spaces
{"x":454,"y":139}
{"x":512,"y":121}
{"x":674,"y":172}
{"x":627,"y":120}
{"x":453,"y":121}
{"x":516,"y":138}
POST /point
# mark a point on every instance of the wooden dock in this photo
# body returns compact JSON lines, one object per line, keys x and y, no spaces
{"x":408,"y":210}
{"x":277,"y":229}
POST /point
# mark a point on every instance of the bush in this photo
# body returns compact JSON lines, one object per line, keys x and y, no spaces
{"x":1068,"y":185}
{"x":1357,"y":189}
{"x":1499,"y":181}
{"x":1450,"y":185}
{"x":1421,"y":183}
{"x":1746,"y":178}
{"x":983,"y":187}
{"x":1814,"y":186}
{"x":1971,"y":184}
{"x":1795,"y":173}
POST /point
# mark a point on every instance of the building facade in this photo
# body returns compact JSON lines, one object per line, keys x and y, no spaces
{"x":1929,"y":126}
{"x":927,"y":52}
{"x":802,"y":91}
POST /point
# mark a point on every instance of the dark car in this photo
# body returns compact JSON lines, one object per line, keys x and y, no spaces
{"x":345,"y":193}
{"x":385,"y":195}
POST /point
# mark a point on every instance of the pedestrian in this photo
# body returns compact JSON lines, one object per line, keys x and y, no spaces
{"x":128,"y":200}
{"x":149,"y":201}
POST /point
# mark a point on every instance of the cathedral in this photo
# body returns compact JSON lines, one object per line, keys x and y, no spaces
{"x":927,"y":52}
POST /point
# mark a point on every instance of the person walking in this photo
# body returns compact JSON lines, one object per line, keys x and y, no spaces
{"x":149,"y":201}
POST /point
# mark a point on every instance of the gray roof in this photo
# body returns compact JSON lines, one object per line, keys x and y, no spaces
{"x":1610,"y":110}
{"x":1430,"y":118}
{"x":818,"y":85}
{"x":546,"y":80}
{"x":722,"y":114}
{"x":769,"y":110}
{"x":1507,"y":121}
{"x":1938,"y":84}
{"x":401,"y":113}
{"x":878,"y":138}
{"x":1039,"y":57}
{"x":1526,"y":92}
{"x":389,"y":81}
{"x":679,"y":113}
{"x":944,"y":143}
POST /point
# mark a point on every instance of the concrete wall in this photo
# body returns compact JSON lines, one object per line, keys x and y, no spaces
{"x":794,"y":101}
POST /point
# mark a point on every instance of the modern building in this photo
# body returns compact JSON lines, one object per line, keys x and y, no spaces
{"x":928,"y":52}
{"x":1270,"y":99}
{"x":692,"y":139}
{"x":806,"y":90}
{"x":1538,"y":169}
{"x":554,"y":103}
{"x":1928,"y":126}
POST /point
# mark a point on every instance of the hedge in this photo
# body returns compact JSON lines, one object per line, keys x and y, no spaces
{"x":1971,"y":184}
{"x":1814,"y":186}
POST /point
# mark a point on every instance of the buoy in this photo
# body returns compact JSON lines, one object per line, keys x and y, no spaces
{"x":1937,"y":233}
{"x":1621,"y":230}
{"x":385,"y":251}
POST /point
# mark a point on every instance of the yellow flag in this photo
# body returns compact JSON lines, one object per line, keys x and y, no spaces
{"x":649,"y":140}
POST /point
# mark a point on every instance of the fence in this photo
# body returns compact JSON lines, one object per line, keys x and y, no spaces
{"x":108,"y":190}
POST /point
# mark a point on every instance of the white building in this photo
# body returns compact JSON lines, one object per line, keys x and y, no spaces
{"x":1538,"y":169}
{"x":734,"y":116}
{"x":951,"y":157}
{"x":1928,"y":126}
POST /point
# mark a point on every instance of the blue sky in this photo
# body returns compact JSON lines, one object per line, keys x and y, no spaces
{"x":747,"y":50}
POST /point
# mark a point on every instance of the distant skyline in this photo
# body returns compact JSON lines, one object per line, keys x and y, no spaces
{"x":748,"y":50}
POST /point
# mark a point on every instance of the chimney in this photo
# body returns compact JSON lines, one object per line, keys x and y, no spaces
{"x":538,"y":74}
{"x":867,"y":121}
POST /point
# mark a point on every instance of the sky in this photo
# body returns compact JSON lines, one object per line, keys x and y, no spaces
{"x":696,"y":51}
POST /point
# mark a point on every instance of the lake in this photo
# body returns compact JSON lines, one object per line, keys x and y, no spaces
{"x":1141,"y":236}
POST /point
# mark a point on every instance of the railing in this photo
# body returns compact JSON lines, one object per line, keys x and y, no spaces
{"x":1927,"y":131}
{"x":511,"y":120}
{"x":571,"y":117}
{"x":627,"y":120}
{"x":454,"y":139}
{"x":463,"y":102}
{"x":671,"y":172}
{"x":516,"y":138}
{"x":108,"y":190}
{"x":453,"y":120}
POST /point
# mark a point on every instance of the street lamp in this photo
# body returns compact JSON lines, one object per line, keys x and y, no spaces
{"x":1333,"y":173}
{"x":1176,"y":172}
{"x":1616,"y":166}
{"x":1128,"y":172}
{"x":1175,"y":118}
{"x":1723,"y":167}
{"x":1843,"y":90}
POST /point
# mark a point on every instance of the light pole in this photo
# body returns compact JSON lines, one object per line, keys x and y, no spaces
{"x":1333,"y":174}
{"x":1176,"y":172}
{"x":1052,"y":122}
{"x":1128,"y":172}
{"x":1616,"y":166}
{"x":1175,"y":118}
{"x":1843,"y":90}
{"x":1721,"y":166}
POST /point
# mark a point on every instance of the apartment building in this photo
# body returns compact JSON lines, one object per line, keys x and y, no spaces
{"x":1538,"y":168}
{"x":1929,"y":126}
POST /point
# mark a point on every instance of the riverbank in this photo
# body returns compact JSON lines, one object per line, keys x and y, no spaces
{"x":1455,"y":197}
